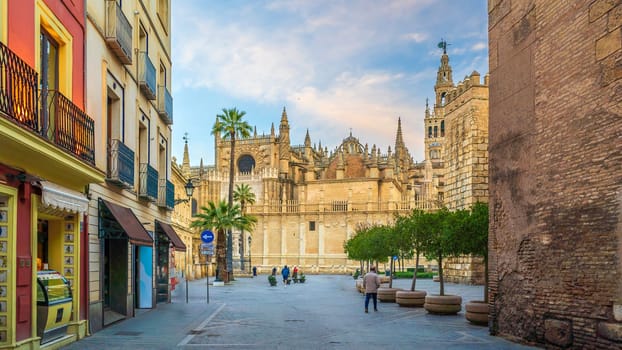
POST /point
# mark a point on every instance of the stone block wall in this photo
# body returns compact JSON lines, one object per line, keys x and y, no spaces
{"x":556,"y":172}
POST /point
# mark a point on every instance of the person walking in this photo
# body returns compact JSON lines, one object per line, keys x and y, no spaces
{"x":371,"y":282}
{"x":285,"y":273}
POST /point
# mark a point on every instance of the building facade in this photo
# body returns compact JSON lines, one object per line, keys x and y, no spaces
{"x":131,"y":240}
{"x":455,"y":171}
{"x":48,"y":158}
{"x":555,"y":172}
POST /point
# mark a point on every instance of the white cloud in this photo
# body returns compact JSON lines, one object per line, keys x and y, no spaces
{"x":416,"y":37}
{"x":480,"y":46}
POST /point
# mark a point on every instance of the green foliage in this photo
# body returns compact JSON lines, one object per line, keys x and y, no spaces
{"x":409,"y":274}
{"x":221,"y":217}
{"x":272,"y":280}
{"x":231,"y":125}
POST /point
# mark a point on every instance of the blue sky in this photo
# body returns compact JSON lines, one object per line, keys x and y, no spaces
{"x":337,"y":66}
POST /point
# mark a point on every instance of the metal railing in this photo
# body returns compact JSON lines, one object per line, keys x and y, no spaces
{"x":66,"y":125}
{"x":118,"y":32}
{"x":148,"y":182}
{"x":120,"y":164}
{"x":146,"y":76}
{"x":18,"y":89}
{"x":294,"y":206}
{"x":166,"y":194}
{"x":165,"y":104}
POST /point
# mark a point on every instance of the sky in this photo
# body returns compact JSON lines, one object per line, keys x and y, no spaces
{"x":337,"y":66}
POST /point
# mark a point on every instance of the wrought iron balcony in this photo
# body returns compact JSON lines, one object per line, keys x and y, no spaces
{"x":146,"y":76}
{"x":148,"y":182}
{"x":165,"y":105}
{"x":118,"y":32}
{"x":18,"y":89}
{"x":166,"y":194}
{"x":67,"y":126}
{"x":120,"y":164}
{"x":47,"y":113}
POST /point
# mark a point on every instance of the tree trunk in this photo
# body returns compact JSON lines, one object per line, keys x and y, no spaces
{"x":440,"y":274}
{"x":412,"y":285}
{"x":391,"y":265}
{"x":229,"y":253}
{"x":221,"y":258}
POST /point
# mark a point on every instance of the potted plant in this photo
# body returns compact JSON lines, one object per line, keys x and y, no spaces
{"x":442,"y":231}
{"x":302,"y":278}
{"x":272,"y":280}
{"x":411,"y":227}
{"x":476,"y":244}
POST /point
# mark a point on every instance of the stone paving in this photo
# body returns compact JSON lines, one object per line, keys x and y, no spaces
{"x":326,"y":312}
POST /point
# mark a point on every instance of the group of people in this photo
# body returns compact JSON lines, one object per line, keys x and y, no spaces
{"x":285,"y":273}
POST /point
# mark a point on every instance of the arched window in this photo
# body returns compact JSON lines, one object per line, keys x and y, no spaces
{"x":246,"y":163}
{"x":443,"y":95}
{"x":195,"y":206}
{"x":436,"y":131}
{"x":442,"y":128}
{"x":430,"y":132}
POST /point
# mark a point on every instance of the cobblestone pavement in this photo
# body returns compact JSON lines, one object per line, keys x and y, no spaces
{"x":326,"y":312}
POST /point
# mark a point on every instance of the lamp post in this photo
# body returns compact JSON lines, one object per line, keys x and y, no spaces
{"x":250,"y":263}
{"x":189,"y":187}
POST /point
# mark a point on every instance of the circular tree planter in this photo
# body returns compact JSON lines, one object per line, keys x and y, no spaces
{"x":386,"y":294}
{"x":414,"y":298}
{"x":477,"y":312}
{"x":443,"y":304}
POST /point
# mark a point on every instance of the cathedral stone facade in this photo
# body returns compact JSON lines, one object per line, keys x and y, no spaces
{"x":309,"y":200}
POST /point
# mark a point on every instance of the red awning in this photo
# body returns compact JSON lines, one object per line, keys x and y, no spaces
{"x":130,"y":224}
{"x":172,"y":235}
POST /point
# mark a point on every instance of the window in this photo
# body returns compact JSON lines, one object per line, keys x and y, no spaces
{"x":48,"y":81}
{"x":162,"y":75}
{"x":436,"y":131}
{"x":162,"y":157}
{"x":430,"y":132}
{"x":246,"y":163}
{"x":195,"y":206}
{"x":442,"y":128}
{"x":143,"y":140}
{"x":311,"y":225}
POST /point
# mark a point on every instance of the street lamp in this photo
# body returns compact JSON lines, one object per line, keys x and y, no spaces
{"x":250,"y":263}
{"x":189,"y":187}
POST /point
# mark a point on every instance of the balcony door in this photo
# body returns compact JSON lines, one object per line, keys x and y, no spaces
{"x":48,"y":81}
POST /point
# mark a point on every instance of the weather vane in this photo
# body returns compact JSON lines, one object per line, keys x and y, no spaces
{"x":443,"y":45}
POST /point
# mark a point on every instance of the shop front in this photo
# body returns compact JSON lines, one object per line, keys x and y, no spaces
{"x":126,"y":263}
{"x":167,"y":273}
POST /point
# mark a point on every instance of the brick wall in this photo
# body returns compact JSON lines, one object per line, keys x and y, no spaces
{"x":556,"y":172}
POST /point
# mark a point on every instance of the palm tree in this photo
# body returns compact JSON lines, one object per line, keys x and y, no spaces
{"x":231,"y":125}
{"x":221,"y":217}
{"x":243,"y":195}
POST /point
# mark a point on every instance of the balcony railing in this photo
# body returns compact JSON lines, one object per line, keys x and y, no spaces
{"x":67,"y":126}
{"x":118,"y":32}
{"x":146,"y":76}
{"x":148,"y":182}
{"x":165,"y":104}
{"x":166,"y":194}
{"x":18,"y":89}
{"x":120,"y":164}
{"x":47,"y":112}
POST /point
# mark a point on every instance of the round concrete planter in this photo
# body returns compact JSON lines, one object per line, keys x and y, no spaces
{"x":443,"y":304}
{"x":386,"y":294}
{"x":477,"y":312}
{"x":415,"y":298}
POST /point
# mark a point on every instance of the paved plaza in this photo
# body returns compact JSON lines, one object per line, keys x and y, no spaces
{"x":326,"y":312}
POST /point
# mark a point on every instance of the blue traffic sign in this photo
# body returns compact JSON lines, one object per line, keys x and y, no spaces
{"x":207,"y":236}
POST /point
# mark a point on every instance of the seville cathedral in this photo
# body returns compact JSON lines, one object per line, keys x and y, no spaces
{"x":309,"y":199}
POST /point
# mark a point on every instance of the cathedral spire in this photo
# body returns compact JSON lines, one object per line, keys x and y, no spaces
{"x":185,"y":166}
{"x":307,"y":139}
{"x":284,"y":117}
{"x":399,"y":140}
